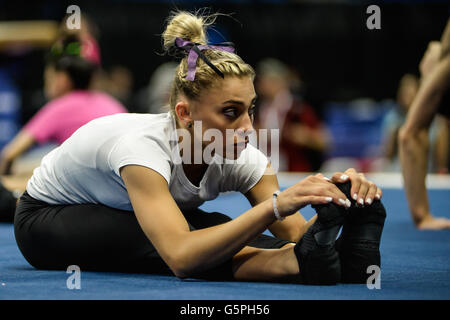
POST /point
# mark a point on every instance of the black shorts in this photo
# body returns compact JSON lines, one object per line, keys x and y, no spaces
{"x":99,"y":238}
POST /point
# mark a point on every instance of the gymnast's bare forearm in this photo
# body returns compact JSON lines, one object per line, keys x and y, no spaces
{"x":204,"y":248}
{"x":184,"y":251}
{"x":294,"y":226}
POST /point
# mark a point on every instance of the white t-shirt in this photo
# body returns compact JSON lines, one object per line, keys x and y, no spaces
{"x":85,"y":168}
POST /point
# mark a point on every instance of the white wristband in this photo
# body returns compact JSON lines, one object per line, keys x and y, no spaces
{"x":275,"y":208}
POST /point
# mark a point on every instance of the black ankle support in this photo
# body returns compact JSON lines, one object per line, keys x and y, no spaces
{"x":316,"y":254}
{"x":363,"y":223}
{"x":359,"y":242}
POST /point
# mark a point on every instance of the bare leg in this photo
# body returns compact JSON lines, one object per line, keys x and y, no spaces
{"x":277,"y":265}
{"x":414,"y":157}
{"x":441,"y":146}
{"x":414,"y":144}
{"x":414,"y":147}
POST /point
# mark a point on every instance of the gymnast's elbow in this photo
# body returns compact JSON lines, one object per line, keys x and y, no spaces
{"x":180,"y":273}
{"x":177,"y":267}
{"x":182,"y":270}
{"x":182,"y":264}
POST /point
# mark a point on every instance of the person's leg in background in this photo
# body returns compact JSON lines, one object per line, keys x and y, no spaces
{"x":413,"y":135}
{"x":441,"y":146}
{"x":11,"y":187}
{"x":414,"y":149}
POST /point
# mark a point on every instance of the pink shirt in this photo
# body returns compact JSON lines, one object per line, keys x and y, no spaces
{"x":61,"y":117}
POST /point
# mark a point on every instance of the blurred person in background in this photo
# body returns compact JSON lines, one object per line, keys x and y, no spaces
{"x":67,"y":80}
{"x":117,"y":81}
{"x":432,"y":98}
{"x":394,"y":119}
{"x":87,"y":34}
{"x":158,"y":91}
{"x":154,"y":97}
{"x":303,"y":136}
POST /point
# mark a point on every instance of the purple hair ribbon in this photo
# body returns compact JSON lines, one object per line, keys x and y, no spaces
{"x":195,"y":50}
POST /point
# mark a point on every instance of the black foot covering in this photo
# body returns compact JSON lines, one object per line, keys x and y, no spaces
{"x":359,"y":242}
{"x":316,"y":254}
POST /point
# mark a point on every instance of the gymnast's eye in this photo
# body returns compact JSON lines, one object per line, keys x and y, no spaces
{"x":230,"y":112}
{"x":251,"y":113}
{"x":251,"y":110}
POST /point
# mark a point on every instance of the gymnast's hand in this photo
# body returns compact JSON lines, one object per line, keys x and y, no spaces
{"x":362,"y":191}
{"x":312,"y":190}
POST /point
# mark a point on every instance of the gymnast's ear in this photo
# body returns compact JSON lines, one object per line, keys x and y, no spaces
{"x":183,"y":112}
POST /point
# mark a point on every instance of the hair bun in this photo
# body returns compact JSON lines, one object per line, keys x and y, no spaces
{"x":187,"y":26}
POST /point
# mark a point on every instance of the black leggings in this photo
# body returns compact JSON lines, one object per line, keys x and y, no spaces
{"x":99,"y":238}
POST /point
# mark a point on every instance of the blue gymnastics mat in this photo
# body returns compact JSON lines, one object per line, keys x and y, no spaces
{"x":415,"y":265}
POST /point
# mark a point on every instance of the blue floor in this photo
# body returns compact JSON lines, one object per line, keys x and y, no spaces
{"x":415,"y":265}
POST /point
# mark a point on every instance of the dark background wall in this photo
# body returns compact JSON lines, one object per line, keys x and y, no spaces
{"x":327,"y":42}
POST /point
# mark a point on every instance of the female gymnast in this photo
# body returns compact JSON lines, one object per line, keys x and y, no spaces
{"x":122,"y":195}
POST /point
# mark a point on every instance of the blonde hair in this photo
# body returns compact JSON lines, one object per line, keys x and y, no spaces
{"x":192,"y":27}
